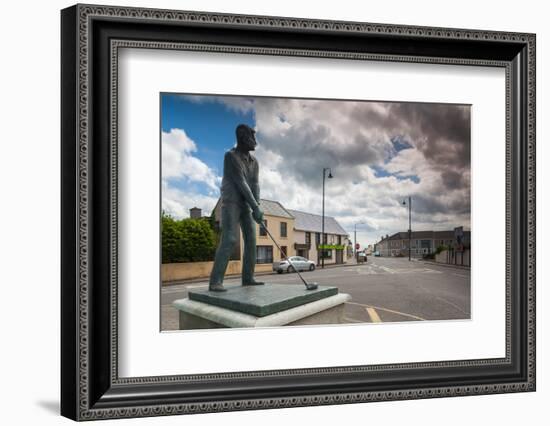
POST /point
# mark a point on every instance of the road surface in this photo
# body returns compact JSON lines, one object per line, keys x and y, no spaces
{"x":382,"y":290}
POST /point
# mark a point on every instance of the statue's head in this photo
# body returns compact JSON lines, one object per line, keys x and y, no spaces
{"x":246,"y":137}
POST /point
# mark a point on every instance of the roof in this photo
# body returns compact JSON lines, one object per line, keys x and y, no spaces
{"x":444,"y":235}
{"x":314,"y":223}
{"x":303,"y":221}
{"x":274,"y":208}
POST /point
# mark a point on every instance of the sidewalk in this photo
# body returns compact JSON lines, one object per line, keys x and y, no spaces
{"x":257,"y":274}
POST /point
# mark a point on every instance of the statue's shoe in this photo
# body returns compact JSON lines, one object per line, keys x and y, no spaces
{"x":216,"y":287}
{"x":253,"y":282}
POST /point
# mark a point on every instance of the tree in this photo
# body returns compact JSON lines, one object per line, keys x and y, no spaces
{"x":187,"y":240}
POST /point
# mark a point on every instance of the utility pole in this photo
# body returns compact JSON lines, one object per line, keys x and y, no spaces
{"x":410,"y":228}
{"x":323,"y":216}
{"x":355,"y":239}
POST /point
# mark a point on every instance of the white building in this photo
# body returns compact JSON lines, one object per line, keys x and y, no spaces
{"x":307,"y":238}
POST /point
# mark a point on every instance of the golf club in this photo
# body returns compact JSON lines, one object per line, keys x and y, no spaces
{"x":309,"y":286}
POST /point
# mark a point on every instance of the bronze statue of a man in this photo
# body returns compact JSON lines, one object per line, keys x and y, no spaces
{"x":240,"y":205}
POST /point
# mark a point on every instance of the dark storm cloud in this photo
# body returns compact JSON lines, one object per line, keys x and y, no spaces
{"x":452,"y":179}
{"x":323,"y":134}
{"x":347,"y":134}
{"x":428,"y":204}
{"x":442,"y":131}
{"x":371,"y":147}
{"x":308,"y":145}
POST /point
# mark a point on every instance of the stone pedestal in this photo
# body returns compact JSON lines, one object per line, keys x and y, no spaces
{"x":269,"y":305}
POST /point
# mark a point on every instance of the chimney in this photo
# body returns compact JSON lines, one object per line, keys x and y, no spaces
{"x":195,"y":213}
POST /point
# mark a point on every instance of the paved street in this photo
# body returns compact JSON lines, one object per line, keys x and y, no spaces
{"x":383,"y":290}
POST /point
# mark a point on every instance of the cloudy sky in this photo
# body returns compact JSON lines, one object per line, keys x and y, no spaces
{"x":380,"y":153}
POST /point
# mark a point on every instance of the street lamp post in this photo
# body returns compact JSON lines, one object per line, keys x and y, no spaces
{"x":323,"y":217}
{"x":355,"y":238}
{"x":410,"y":203}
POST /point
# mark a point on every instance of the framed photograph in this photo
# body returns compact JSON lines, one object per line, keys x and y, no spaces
{"x":263,"y":212}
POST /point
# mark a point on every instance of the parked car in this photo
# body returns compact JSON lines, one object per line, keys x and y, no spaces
{"x":298,"y":262}
{"x":377,"y":254}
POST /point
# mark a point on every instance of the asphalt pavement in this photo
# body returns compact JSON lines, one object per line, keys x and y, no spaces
{"x":382,"y":290}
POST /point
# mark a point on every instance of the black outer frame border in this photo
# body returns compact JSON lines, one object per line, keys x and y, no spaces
{"x":88,"y":389}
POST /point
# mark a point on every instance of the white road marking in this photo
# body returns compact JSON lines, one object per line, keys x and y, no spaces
{"x":408,"y":270}
{"x":366,"y":270}
{"x":460,"y":275}
{"x":431,"y":271}
{"x":452,"y":304}
{"x":353,"y":320}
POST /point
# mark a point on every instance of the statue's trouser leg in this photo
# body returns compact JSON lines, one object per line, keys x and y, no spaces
{"x":248,"y":227}
{"x":229,"y":237}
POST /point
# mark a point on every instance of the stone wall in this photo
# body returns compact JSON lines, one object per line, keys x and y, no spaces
{"x":456,"y":258}
{"x":190,"y":270}
{"x":194,"y":270}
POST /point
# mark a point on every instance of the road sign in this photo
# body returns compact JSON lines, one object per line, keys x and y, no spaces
{"x":357,"y":246}
{"x":459,"y":239}
{"x":459,"y":234}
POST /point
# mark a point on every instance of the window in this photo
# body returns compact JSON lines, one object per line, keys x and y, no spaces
{"x":327,"y":254}
{"x":283,"y":229}
{"x":317,"y":238}
{"x":283,"y":251}
{"x":308,"y":238}
{"x":263,"y":232}
{"x":339,"y":240}
{"x":325,"y":238}
{"x":264,"y":254}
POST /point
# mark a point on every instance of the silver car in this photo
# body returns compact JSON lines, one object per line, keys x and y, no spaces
{"x":298,"y":262}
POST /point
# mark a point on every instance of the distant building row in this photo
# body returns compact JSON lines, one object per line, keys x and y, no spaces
{"x":422,"y":242}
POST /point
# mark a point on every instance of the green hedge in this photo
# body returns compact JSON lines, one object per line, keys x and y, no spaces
{"x":187,"y":240}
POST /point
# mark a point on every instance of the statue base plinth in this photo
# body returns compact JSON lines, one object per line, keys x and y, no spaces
{"x":261,"y":306}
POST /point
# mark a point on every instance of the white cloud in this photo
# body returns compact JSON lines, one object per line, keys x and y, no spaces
{"x":178,"y":161}
{"x":297,"y":138}
{"x":177,"y":203}
{"x":179,"y":164}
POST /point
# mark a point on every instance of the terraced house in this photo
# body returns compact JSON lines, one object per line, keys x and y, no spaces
{"x":307,"y":234}
{"x":297,"y":234}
